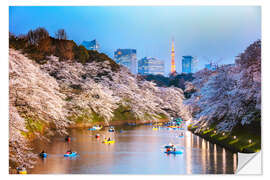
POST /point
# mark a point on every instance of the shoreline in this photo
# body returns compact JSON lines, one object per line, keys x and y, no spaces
{"x":209,"y":137}
{"x":114,"y":123}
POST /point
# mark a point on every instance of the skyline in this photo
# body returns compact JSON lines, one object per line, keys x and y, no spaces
{"x":208,"y":33}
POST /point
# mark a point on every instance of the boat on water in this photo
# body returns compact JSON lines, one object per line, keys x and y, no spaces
{"x":67,"y":138}
{"x":111,"y":129}
{"x":43,"y":155}
{"x":154,"y":128}
{"x":21,"y":170}
{"x":173,"y":152}
{"x":73,"y":154}
{"x":95,"y":128}
{"x":108,"y":142}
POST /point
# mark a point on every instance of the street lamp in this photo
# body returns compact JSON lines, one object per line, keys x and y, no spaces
{"x":234,"y":137}
{"x":249,"y":141}
{"x":223,"y":134}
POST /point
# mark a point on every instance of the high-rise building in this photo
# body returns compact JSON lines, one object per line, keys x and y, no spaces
{"x":187,"y":64}
{"x":127,"y":58}
{"x":173,"y":59}
{"x":149,"y":65}
{"x":91,"y":45}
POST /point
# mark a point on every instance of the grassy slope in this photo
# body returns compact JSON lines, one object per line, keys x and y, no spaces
{"x":242,"y":136}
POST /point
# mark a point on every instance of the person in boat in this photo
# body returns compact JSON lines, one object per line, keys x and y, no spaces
{"x":109,"y":139}
{"x":67,"y":138}
{"x":173,"y":148}
{"x":21,"y":168}
{"x":97,"y":135}
{"x":42,"y":153}
{"x":168,"y":149}
{"x":69,"y":152}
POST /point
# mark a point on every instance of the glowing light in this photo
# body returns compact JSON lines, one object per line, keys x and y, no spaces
{"x":234,"y":162}
{"x":249,"y":141}
{"x":224,"y":160}
{"x":223,"y":134}
{"x":173,"y":56}
{"x":188,"y":141}
{"x":234,"y":137}
{"x":215,"y":132}
{"x":215,"y":157}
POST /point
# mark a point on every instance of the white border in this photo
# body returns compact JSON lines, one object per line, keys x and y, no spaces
{"x":4,"y":73}
{"x":132,"y":2}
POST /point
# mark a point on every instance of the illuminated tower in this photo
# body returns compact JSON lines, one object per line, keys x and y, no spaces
{"x":173,"y":56}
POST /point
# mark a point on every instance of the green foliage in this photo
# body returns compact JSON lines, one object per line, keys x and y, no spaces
{"x":37,"y":45}
{"x":17,"y":42}
{"x":96,"y":117}
{"x":176,"y":81}
{"x":86,"y":116}
{"x":81,"y":54}
{"x":162,"y":116}
{"x":234,"y":141}
{"x":223,"y":137}
{"x":207,"y":131}
{"x":242,"y":136}
{"x":123,"y":113}
{"x":95,"y":56}
{"x":34,"y":126}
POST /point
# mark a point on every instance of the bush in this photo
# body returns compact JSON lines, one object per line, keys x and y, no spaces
{"x":61,"y":34}
{"x":101,"y":57}
{"x":81,"y":54}
{"x":37,"y":44}
{"x":35,"y":36}
{"x":64,"y":49}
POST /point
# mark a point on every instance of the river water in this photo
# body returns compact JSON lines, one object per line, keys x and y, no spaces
{"x":137,"y":150}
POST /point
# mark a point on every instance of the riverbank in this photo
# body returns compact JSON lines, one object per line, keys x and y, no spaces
{"x":240,"y":139}
{"x":115,"y":123}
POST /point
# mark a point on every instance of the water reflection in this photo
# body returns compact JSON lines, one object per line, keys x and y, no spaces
{"x":188,"y":151}
{"x":138,"y":150}
{"x":234,"y":162}
{"x":215,"y":158}
{"x":224,"y":160}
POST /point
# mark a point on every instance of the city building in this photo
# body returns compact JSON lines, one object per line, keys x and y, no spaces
{"x":173,"y":71}
{"x":149,"y":65}
{"x":127,"y":58}
{"x":211,"y":66}
{"x":188,"y":64}
{"x":91,"y":45}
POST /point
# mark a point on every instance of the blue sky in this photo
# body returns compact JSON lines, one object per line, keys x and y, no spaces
{"x":217,"y":33}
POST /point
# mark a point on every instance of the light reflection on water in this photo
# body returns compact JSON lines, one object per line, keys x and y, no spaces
{"x":138,"y":150}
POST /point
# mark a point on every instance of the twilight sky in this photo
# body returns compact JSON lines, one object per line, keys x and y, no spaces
{"x":217,"y":33}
